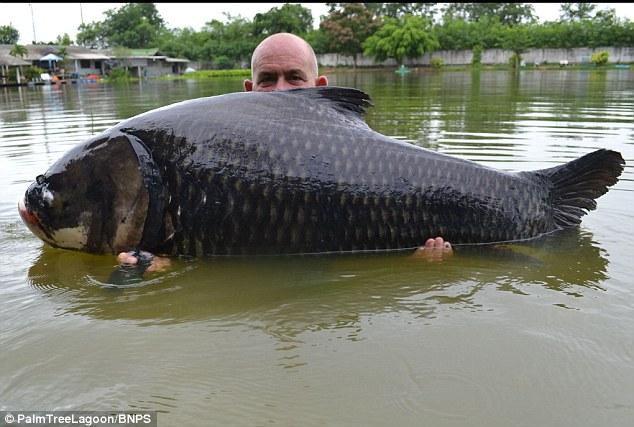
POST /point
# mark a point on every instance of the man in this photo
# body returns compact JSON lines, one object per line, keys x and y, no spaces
{"x":285,"y":61}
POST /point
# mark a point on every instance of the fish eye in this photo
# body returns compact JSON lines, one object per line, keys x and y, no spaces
{"x":40,"y":179}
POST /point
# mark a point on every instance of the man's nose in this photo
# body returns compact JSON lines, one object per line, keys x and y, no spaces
{"x":283,"y":84}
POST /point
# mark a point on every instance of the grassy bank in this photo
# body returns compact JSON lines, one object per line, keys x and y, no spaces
{"x":119,"y":80}
{"x":210,"y":74}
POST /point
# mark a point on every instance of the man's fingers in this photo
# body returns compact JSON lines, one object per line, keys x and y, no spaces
{"x":435,"y":249}
{"x":154,"y":263}
{"x":159,"y":264}
{"x":127,"y":258}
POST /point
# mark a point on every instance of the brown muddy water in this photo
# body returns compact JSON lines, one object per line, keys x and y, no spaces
{"x":532,"y":334}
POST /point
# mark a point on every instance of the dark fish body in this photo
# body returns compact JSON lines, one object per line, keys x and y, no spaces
{"x":297,"y":172}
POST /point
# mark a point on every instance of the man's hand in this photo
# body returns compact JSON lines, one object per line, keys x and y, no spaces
{"x":434,"y":250}
{"x":155,"y":263}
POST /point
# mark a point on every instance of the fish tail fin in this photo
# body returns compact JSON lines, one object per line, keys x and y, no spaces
{"x":576,"y":184}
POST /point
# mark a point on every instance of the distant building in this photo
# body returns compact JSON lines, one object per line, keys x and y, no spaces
{"x":81,"y":61}
{"x":145,"y":62}
{"x":7,"y":62}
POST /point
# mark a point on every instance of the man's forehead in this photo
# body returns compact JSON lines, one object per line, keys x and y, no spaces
{"x":276,"y":62}
{"x":281,"y":54}
{"x":284,"y":53}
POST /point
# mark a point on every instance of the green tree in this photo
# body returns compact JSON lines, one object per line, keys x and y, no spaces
{"x":456,"y":34}
{"x":606,"y":17}
{"x":517,"y":39}
{"x":516,"y":13}
{"x":398,"y":10}
{"x":233,"y":39}
{"x":183,"y":43}
{"x":9,"y":35}
{"x":507,"y":13}
{"x":290,"y":18}
{"x":63,"y":40}
{"x":321,"y":41}
{"x":134,"y":25}
{"x":91,"y":35}
{"x":576,"y":11}
{"x":601,"y":30}
{"x":349,"y":24}
{"x":408,"y":37}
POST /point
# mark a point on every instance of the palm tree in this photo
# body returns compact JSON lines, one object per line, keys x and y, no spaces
{"x":63,"y":53}
{"x":18,"y":50}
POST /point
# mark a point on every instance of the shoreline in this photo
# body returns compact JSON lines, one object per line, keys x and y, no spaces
{"x":243,"y":72}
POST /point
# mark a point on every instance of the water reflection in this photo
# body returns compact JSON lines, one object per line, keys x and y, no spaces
{"x":289,"y":295}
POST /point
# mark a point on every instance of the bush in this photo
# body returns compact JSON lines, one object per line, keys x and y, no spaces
{"x":33,"y":73}
{"x":437,"y":62}
{"x":477,"y":55}
{"x":12,"y":75}
{"x":119,"y":75}
{"x":599,"y":58}
{"x":514,"y":60}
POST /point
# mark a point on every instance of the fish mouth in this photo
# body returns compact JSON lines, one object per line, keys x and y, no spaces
{"x":31,"y":220}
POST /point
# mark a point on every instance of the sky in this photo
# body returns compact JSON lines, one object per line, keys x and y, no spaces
{"x":53,"y":19}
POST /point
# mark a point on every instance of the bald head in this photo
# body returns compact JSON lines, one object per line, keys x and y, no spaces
{"x":283,"y":61}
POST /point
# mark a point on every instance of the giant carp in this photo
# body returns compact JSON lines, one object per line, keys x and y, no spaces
{"x":286,"y":172}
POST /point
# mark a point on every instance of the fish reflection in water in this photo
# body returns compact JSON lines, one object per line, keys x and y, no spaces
{"x":290,"y":295}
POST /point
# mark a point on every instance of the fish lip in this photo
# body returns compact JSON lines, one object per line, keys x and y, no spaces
{"x":31,"y":219}
{"x":27,"y":216}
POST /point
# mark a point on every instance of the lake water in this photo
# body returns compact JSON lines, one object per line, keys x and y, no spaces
{"x":540,"y":333}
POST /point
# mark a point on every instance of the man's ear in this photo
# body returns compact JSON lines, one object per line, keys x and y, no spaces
{"x":248,"y":85}
{"x":321,"y":81}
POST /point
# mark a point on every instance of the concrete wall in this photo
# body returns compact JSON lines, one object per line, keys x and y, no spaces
{"x":579,"y":55}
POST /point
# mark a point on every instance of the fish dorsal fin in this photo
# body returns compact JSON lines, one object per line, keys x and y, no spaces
{"x":349,"y":101}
